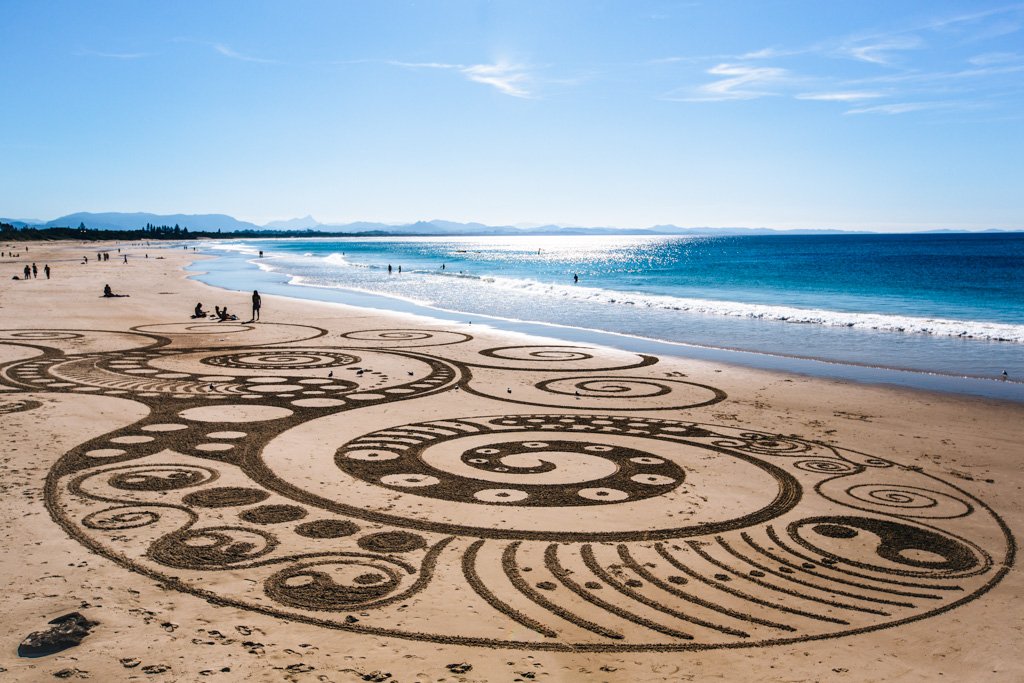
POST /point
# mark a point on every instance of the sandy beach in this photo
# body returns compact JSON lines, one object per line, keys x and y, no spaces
{"x":345,"y":494}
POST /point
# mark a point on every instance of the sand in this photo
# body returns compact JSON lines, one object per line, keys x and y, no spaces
{"x":341,"y":494}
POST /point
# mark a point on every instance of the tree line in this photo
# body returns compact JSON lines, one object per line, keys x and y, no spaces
{"x":10,"y":233}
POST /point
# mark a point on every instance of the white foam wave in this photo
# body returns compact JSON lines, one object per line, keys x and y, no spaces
{"x":238,"y":247}
{"x":968,"y":329}
{"x":307,"y":282}
{"x":971,"y":329}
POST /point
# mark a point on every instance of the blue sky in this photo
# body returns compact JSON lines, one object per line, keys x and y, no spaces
{"x":853,"y":114}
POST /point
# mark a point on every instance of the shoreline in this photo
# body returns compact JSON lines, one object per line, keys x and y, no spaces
{"x":875,"y":375}
{"x":254,"y":431}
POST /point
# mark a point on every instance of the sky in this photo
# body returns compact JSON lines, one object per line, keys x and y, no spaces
{"x":852,"y":114}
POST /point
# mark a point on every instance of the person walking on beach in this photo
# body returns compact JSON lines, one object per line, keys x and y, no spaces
{"x":399,"y":270}
{"x":256,"y":302}
{"x":46,"y":269}
{"x":126,"y":258}
{"x":35,"y":271}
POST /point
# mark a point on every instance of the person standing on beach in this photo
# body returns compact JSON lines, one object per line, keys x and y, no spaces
{"x":28,"y":272}
{"x":389,"y":269}
{"x":46,"y":269}
{"x":256,"y":303}
{"x":575,"y":278}
{"x":35,"y":271}
{"x":399,"y":269}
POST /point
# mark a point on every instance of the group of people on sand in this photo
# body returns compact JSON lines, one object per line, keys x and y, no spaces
{"x":105,"y":256}
{"x":33,"y":272}
{"x":222,"y":315}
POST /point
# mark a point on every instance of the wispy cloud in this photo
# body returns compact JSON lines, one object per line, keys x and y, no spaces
{"x":506,"y":77}
{"x":232,"y":54}
{"x":740,"y":82}
{"x":880,"y":51}
{"x":990,"y":58}
{"x":113,"y":55}
{"x":921,"y":66}
{"x":847,"y":96}
{"x":907,"y":107}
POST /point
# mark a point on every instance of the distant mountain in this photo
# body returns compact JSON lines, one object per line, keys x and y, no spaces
{"x":137,"y":221}
{"x":225,"y":223}
{"x":306,"y":223}
{"x":21,"y":222}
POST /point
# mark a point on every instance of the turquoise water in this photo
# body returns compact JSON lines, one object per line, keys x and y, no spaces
{"x":949,"y":304}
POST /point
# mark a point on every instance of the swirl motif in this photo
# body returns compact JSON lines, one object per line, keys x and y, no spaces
{"x":212,"y":547}
{"x":160,"y":477}
{"x":120,"y":517}
{"x":539,"y":353}
{"x":335,"y":584}
{"x":283,"y":359}
{"x":907,"y":501}
{"x":564,"y":358}
{"x":548,"y":473}
{"x":40,"y":335}
{"x":18,"y":406}
{"x":404,"y":338}
{"x":617,"y":387}
{"x":611,"y":392}
{"x":827,"y":466}
{"x":195,"y":328}
{"x":766,"y":444}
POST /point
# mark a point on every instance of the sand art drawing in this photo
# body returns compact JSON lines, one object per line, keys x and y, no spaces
{"x":280,"y":476}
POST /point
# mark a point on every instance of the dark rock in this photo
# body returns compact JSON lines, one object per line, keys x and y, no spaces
{"x":67,"y":631}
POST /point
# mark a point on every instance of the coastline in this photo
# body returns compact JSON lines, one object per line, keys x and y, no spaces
{"x":971,"y":443}
{"x":851,"y":371}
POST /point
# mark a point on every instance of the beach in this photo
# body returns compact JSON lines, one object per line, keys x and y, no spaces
{"x":337,"y":493}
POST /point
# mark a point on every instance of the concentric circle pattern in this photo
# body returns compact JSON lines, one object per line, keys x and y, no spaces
{"x":282,"y":359}
{"x":276,"y":470}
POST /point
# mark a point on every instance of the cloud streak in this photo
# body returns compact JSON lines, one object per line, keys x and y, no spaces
{"x":847,"y":96}
{"x":114,"y":55}
{"x":232,"y":54}
{"x":881,"y":51}
{"x":506,"y":77}
{"x":740,"y":82}
{"x":907,"y":107}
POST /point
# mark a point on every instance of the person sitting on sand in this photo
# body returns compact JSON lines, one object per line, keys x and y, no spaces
{"x":222,"y":314}
{"x":199,"y":312}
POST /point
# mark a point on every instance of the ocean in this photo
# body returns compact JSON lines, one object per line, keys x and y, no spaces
{"x":936,"y":304}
